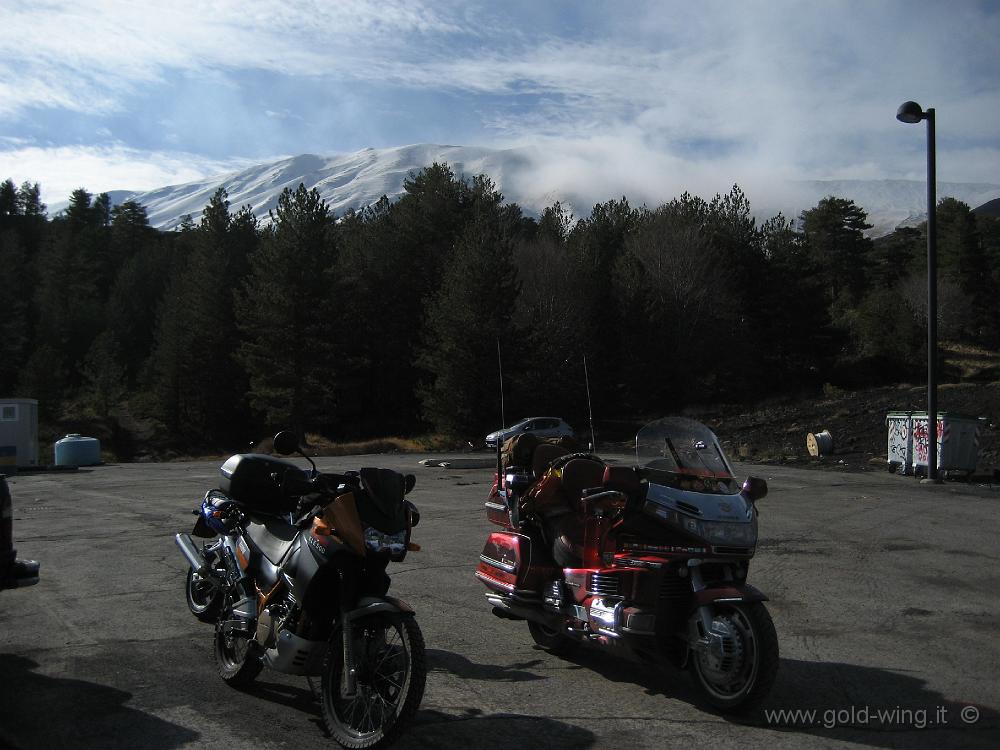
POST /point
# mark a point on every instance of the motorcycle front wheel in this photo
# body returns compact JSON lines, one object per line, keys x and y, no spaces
{"x":204,"y":596}
{"x":391,"y":671}
{"x":552,"y":640}
{"x":737,"y":672}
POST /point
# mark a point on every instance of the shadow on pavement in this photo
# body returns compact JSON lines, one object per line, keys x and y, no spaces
{"x":473,"y":728}
{"x":38,"y":711}
{"x":461,"y":666}
{"x":872,"y":706}
{"x":833,"y":701}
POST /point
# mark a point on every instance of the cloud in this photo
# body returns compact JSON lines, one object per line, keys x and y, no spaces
{"x":654,"y":92}
{"x":88,"y":56}
{"x":61,"y":170}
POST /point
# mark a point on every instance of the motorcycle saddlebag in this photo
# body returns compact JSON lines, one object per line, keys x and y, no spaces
{"x":254,"y":481}
{"x":505,"y":562}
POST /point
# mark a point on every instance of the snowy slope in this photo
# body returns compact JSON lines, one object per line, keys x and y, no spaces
{"x":361,"y":178}
{"x":344,"y":181}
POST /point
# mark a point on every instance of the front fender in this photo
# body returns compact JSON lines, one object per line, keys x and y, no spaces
{"x":372,"y":605}
{"x":733,"y":593}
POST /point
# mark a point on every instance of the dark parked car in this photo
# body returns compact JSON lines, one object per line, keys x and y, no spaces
{"x":14,"y":573}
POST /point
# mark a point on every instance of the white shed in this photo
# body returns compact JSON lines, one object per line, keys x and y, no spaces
{"x":18,"y":432}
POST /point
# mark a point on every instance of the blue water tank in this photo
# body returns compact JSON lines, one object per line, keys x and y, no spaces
{"x":76,"y":450}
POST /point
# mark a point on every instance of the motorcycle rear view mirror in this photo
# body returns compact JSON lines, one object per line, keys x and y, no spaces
{"x":408,"y":482}
{"x":755,"y":488}
{"x":286,"y":442}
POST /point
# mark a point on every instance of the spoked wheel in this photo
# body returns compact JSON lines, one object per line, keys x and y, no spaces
{"x":552,"y":640}
{"x":391,"y":670}
{"x":738,"y":668}
{"x":204,"y":596}
{"x":237,"y":656}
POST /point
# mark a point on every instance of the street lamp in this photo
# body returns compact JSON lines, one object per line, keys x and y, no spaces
{"x":911,"y":113}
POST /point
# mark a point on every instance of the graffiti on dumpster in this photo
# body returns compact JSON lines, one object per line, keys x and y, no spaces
{"x":898,"y":429}
{"x":920,"y":446}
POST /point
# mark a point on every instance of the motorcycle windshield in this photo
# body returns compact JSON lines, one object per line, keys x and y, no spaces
{"x":687,"y":451}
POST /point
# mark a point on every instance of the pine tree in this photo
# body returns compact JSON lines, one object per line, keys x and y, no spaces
{"x":133,"y":299}
{"x":962,"y":258}
{"x":547,"y":361}
{"x":196,"y":382}
{"x":104,"y":376}
{"x":14,"y":302}
{"x":284,"y":313}
{"x":9,"y":204}
{"x":29,"y":199}
{"x":834,"y":232}
{"x":469,"y":314}
{"x":596,"y":244}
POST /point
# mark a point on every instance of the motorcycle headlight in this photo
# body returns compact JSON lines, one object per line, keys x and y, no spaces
{"x":734,"y":533}
{"x":378,"y":541}
{"x":728,"y":532}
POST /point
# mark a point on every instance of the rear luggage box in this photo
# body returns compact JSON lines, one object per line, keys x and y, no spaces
{"x":254,"y":481}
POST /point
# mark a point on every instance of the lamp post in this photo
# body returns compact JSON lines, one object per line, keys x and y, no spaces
{"x":911,"y":113}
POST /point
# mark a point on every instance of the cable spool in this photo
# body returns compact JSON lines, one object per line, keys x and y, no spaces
{"x":820,"y":443}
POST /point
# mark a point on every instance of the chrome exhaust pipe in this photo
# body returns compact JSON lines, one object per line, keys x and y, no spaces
{"x":190,"y":552}
{"x":508,"y":610}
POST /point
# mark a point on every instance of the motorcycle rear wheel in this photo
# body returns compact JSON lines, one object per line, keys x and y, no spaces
{"x":392,"y":671}
{"x":743,"y":676}
{"x":204,"y":598}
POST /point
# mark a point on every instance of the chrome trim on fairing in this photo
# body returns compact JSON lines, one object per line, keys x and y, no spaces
{"x":507,"y":567}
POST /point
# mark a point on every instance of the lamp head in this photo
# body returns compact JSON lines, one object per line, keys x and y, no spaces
{"x":910,"y":112}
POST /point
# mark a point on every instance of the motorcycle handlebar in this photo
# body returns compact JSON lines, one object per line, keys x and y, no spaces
{"x":295,"y":485}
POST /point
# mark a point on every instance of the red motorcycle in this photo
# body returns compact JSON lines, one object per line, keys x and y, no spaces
{"x":649,"y":560}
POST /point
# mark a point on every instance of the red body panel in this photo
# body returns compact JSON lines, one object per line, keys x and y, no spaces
{"x":505,"y":564}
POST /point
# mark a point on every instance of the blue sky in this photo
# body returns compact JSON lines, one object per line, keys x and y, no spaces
{"x":676,"y":95}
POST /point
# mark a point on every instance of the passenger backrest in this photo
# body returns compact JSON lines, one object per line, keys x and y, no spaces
{"x":545,"y":454}
{"x":580,"y":474}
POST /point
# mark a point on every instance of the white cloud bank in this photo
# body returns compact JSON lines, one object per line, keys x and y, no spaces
{"x":61,"y":170}
{"x":642,"y":98}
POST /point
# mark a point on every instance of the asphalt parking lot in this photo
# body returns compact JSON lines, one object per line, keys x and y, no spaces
{"x":884,"y":593}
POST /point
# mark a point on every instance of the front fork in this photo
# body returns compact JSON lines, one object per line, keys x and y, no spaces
{"x":701,"y":636}
{"x":239,"y":587}
{"x":367,"y":607}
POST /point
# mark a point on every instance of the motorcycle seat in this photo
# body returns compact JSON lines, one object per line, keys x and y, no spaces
{"x":274,"y":536}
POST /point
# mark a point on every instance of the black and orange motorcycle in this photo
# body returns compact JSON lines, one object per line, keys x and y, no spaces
{"x":650,"y":560}
{"x":292,"y":574}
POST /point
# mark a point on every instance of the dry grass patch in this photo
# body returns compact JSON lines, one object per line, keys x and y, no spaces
{"x":321,"y":446}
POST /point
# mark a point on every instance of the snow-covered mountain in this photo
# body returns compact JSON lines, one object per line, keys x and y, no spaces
{"x":526,"y":176}
{"x":344,"y":181}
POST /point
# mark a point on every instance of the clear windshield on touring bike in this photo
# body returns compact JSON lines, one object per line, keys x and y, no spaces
{"x":685,"y":451}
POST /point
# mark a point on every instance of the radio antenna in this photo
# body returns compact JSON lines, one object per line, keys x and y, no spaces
{"x":590,"y":411}
{"x":503,"y":419}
